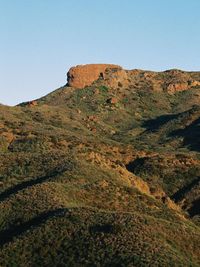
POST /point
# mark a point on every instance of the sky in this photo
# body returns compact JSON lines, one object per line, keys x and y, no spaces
{"x":41,"y":39}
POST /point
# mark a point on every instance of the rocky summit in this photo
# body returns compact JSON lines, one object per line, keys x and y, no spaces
{"x":115,"y":76}
{"x":84,"y":75}
{"x":103,"y":171}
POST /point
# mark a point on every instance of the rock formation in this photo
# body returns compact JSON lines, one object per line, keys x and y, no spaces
{"x":113,"y":76}
{"x":84,"y":75}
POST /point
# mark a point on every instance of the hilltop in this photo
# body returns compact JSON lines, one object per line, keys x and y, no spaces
{"x":103,"y":171}
{"x":170,"y":81}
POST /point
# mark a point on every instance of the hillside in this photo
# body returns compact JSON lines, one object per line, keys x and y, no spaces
{"x":103,"y":171}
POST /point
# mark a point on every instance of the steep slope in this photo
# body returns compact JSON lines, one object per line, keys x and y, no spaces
{"x":106,"y":175}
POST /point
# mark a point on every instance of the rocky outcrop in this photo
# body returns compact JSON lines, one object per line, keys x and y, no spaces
{"x":176,"y":87}
{"x":84,"y":75}
{"x":195,"y":83}
{"x":113,"y":76}
{"x":116,"y":78}
{"x":112,"y":100}
{"x":32,"y":103}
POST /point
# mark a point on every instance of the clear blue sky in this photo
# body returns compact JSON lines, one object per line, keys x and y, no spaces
{"x":41,"y":39}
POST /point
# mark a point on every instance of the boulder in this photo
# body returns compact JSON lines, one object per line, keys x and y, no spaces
{"x":112,"y":100}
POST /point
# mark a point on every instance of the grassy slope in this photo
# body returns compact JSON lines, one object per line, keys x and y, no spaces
{"x":66,"y":196}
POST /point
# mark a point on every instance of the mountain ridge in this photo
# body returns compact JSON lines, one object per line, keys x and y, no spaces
{"x":104,"y":175}
{"x":114,"y":75}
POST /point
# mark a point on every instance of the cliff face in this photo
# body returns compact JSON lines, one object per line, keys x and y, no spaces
{"x":84,"y":75}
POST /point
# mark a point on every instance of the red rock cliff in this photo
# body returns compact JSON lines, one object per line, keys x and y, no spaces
{"x":84,"y":75}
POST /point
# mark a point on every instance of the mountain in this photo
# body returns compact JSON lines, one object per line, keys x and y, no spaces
{"x":103,"y":171}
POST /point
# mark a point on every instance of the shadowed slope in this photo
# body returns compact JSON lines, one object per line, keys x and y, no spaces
{"x":15,"y":231}
{"x":26,"y":184}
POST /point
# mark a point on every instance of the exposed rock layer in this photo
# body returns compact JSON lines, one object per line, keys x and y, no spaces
{"x":84,"y":75}
{"x":114,"y":76}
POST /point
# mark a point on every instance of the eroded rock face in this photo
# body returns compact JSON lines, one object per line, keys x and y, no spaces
{"x":176,"y":87}
{"x":115,"y":77}
{"x":84,"y":75}
{"x":195,"y":83}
